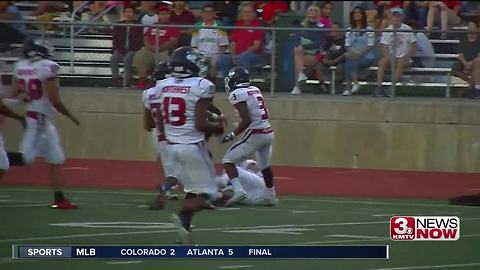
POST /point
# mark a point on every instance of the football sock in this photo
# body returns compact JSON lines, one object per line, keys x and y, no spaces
{"x":186,"y":218}
{"x":15,"y":159}
{"x":58,"y":195}
{"x":268,"y":177}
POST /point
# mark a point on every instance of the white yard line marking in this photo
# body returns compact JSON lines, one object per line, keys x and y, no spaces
{"x":303,"y":211}
{"x":368,"y":209}
{"x":227,"y":208}
{"x":442,"y":266}
{"x":362,"y":240}
{"x":373,"y":202}
{"x":294,"y":231}
{"x":340,"y":241}
{"x":197,"y":230}
{"x":265,"y":208}
{"x":80,"y":191}
{"x":24,"y":205}
{"x":449,"y":213}
{"x":341,"y":201}
{"x":18,"y":201}
{"x":124,"y":262}
{"x":235,"y":266}
{"x":5,"y":196}
{"x":353,"y":236}
{"x":206,"y":230}
{"x":385,"y":215}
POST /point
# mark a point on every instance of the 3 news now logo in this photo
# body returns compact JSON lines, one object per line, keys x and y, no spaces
{"x":408,"y":228}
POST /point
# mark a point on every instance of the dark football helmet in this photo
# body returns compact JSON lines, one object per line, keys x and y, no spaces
{"x":237,"y":77}
{"x":187,"y":62}
{"x":162,"y":71}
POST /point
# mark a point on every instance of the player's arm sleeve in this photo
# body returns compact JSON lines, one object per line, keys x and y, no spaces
{"x":236,"y":97}
{"x":49,"y":70}
{"x":206,"y":89}
{"x":145,"y":102}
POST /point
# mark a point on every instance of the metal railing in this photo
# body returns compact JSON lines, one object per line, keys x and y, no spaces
{"x":274,"y":31}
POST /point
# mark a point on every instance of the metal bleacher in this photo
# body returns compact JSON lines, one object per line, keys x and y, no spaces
{"x":91,"y":55}
{"x":438,"y":76}
{"x":92,"y":52}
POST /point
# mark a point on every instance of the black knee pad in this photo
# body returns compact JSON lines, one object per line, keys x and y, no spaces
{"x":15,"y":159}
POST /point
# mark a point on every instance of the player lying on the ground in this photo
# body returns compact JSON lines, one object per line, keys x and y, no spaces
{"x":257,"y":132}
{"x":185,"y":98}
{"x":152,"y":123}
{"x":5,"y":111}
{"x":250,"y":176}
{"x":36,"y":76}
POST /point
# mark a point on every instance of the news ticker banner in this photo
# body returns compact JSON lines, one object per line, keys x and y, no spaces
{"x":200,"y":252}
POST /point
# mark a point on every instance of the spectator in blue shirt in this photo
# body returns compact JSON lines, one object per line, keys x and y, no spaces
{"x":359,"y":45}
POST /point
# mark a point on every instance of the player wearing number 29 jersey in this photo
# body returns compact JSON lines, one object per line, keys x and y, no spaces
{"x":36,"y":76}
{"x":30,"y":76}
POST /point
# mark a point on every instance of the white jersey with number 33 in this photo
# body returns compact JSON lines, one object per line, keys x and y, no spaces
{"x":255,"y":103}
{"x":179,"y":98}
{"x":31,"y":76}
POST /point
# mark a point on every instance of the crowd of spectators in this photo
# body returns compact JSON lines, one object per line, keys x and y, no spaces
{"x":223,"y":49}
{"x":362,"y":50}
{"x":351,"y":52}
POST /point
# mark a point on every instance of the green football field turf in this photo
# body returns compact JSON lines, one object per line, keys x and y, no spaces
{"x":110,"y":217}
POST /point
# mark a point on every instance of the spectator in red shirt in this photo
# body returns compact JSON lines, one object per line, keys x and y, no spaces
{"x":246,"y":44}
{"x":326,"y":10}
{"x":146,"y":58}
{"x":449,"y":15}
{"x":181,"y":16}
{"x":123,"y":49}
{"x":271,"y":9}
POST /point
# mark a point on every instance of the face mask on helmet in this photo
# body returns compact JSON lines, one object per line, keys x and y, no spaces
{"x":187,"y":62}
{"x":33,"y":48}
{"x":227,"y":82}
{"x":237,"y":77}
